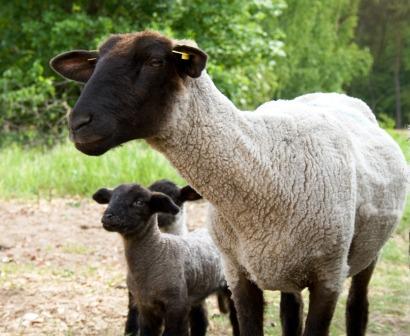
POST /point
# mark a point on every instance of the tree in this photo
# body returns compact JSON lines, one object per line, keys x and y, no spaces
{"x":259,"y":49}
{"x":384,"y":28}
{"x":319,"y":47}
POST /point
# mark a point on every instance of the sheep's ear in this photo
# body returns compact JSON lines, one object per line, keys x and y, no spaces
{"x":190,"y":61}
{"x":102,"y":196}
{"x":189,"y":194}
{"x":77,"y":65}
{"x":162,"y":203}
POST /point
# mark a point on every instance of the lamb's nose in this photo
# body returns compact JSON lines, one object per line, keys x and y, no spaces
{"x":107,"y":216}
{"x":80,"y":121}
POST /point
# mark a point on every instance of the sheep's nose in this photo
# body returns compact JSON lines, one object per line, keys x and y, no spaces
{"x":80,"y":121}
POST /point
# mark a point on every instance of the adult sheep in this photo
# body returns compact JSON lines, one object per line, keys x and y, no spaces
{"x":304,"y":193}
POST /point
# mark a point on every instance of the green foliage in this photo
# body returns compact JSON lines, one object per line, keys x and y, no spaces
{"x":259,"y":50}
{"x":242,"y":53}
{"x":320,"y":54}
{"x":386,"y":121}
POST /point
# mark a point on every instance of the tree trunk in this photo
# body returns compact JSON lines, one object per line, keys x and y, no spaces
{"x":397,"y":87}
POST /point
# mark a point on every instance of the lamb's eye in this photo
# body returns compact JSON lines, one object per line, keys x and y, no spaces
{"x":156,"y":63}
{"x":138,"y":203}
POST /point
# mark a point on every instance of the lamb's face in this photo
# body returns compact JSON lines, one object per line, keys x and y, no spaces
{"x":178,"y":195}
{"x":131,"y":206}
{"x":131,"y":82}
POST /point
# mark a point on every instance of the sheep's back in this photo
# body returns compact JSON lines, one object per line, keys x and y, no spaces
{"x":380,"y":170}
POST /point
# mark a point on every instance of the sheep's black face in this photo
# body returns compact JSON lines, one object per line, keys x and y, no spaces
{"x":131,"y":206}
{"x":130,"y":85}
{"x":178,"y":196}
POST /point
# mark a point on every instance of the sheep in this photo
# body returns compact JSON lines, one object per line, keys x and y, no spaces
{"x":169,"y":276}
{"x":304,"y":193}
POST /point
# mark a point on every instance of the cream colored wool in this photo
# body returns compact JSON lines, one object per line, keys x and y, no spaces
{"x":304,"y":189}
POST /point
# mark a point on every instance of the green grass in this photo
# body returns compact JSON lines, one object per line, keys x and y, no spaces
{"x":64,"y":171}
{"x":402,"y":137}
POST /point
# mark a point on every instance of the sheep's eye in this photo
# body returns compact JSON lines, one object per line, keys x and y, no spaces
{"x":138,"y":203}
{"x":156,"y":63}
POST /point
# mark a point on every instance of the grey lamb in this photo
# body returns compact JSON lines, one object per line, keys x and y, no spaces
{"x":168,"y":276}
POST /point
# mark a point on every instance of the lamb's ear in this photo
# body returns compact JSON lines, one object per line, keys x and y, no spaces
{"x":188,"y":193}
{"x":160,"y":202}
{"x":77,"y":65}
{"x":190,"y":60}
{"x":102,"y":196}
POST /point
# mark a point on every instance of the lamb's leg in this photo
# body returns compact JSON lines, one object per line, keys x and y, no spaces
{"x":176,"y":322}
{"x":198,"y":320}
{"x":233,"y":317}
{"x":291,"y":314}
{"x":131,"y":325}
{"x":357,"y":307}
{"x":248,"y":298}
{"x":322,"y":304}
{"x":149,"y":323}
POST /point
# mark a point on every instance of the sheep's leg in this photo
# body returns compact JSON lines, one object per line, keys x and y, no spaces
{"x":198,"y":320}
{"x":357,"y":308}
{"x":291,"y":314}
{"x":150,"y":324}
{"x":176,"y":322}
{"x":131,"y":325}
{"x":322,"y":304}
{"x":248,"y":298}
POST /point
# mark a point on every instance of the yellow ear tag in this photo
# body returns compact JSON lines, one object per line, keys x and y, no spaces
{"x":184,"y":55}
{"x":91,"y":59}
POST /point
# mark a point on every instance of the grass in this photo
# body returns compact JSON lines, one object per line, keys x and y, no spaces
{"x":64,"y":171}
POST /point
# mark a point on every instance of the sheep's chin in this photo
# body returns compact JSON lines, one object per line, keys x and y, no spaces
{"x":95,"y":148}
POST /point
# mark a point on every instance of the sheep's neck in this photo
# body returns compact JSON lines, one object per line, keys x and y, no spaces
{"x":142,"y":249}
{"x":214,"y":147}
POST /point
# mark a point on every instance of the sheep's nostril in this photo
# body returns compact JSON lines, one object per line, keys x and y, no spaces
{"x":80,"y":122}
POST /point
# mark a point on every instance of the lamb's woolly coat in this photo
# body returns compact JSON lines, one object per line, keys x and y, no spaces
{"x":300,"y":189}
{"x":191,"y":266}
{"x":178,"y":226}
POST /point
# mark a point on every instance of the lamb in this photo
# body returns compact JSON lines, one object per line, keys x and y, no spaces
{"x":303,"y":193}
{"x":169,"y":276}
{"x":176,"y":224}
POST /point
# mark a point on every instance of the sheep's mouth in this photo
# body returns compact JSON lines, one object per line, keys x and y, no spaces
{"x":96,"y":147}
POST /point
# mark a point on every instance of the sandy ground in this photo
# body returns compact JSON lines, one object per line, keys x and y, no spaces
{"x":61,"y":273}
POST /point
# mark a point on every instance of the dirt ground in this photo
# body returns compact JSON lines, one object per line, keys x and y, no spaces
{"x":62,"y":274}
